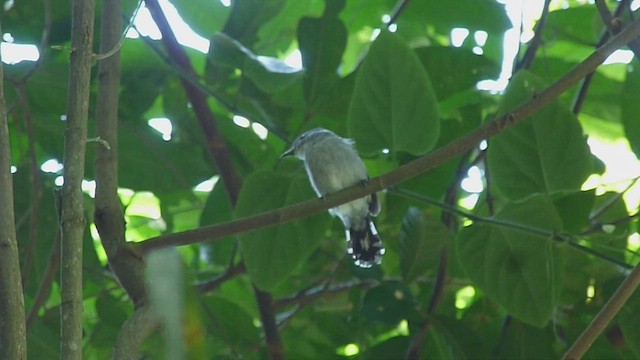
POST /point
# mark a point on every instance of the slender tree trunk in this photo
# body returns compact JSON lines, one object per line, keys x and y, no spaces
{"x":72,"y":217}
{"x":12,"y":325}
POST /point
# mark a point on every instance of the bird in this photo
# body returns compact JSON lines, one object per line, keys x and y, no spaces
{"x":333,"y":164}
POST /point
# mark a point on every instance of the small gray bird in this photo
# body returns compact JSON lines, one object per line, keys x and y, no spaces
{"x":332,"y":165}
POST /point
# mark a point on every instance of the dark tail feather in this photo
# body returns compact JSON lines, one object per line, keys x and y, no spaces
{"x":365,"y":245}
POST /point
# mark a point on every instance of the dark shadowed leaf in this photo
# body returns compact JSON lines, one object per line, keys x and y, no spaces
{"x":273,"y":253}
{"x":545,"y":153}
{"x":518,"y":269}
{"x":394,"y":105}
{"x":421,"y":239}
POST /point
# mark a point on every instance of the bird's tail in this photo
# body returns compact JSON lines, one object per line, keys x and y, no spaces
{"x":365,"y":245}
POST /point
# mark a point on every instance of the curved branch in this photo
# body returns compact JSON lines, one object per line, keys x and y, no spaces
{"x":404,"y":172}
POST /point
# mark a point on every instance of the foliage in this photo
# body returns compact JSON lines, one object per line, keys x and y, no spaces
{"x":518,"y":274}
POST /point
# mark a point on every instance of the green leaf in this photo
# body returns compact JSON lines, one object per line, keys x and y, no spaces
{"x":389,"y":303}
{"x":421,"y":240}
{"x":393,"y":105}
{"x":204,"y":16}
{"x":272,"y":254}
{"x":575,"y":208}
{"x":455,"y":69}
{"x":581,"y":25}
{"x":631,"y":106}
{"x":322,"y":42}
{"x":545,"y":153}
{"x":520,"y":270}
{"x":247,"y":16}
{"x":523,"y":341}
{"x":231,"y":323}
{"x":269,"y":74}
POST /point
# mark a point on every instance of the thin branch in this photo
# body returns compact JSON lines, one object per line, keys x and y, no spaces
{"x":397,"y":10}
{"x":304,"y":298}
{"x":529,"y":55}
{"x":614,"y":24}
{"x":198,"y":99}
{"x":604,"y":317}
{"x":231,"y":273}
{"x":115,"y":47}
{"x":565,"y":238}
{"x":45,"y":285}
{"x":581,"y":95}
{"x":36,"y":186}
{"x":72,"y":220}
{"x":447,"y":218}
{"x":13,"y":343}
{"x":404,"y":172}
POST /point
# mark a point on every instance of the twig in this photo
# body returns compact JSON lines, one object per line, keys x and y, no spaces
{"x":447,"y":218}
{"x":72,"y":220}
{"x":116,"y":47}
{"x":532,"y":230}
{"x":604,"y":317}
{"x":614,"y":24}
{"x":529,"y":55}
{"x":45,"y":285}
{"x":404,"y":172}
{"x":321,"y":292}
{"x":231,"y":272}
{"x":397,"y":10}
{"x":36,"y":186}
{"x":581,"y":95}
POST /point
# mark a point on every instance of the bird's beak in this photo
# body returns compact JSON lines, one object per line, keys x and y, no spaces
{"x":288,"y":152}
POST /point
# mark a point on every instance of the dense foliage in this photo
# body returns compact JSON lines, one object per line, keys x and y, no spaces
{"x":506,"y":251}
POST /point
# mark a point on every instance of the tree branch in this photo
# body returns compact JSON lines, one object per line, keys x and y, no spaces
{"x":109,"y":215}
{"x":198,"y":99}
{"x":12,"y":326}
{"x":404,"y":172}
{"x":72,"y":219}
{"x":604,"y":317}
{"x":220,"y":155}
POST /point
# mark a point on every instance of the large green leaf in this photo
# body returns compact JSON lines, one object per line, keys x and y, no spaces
{"x":455,"y":69}
{"x":322,"y":42}
{"x":518,"y":269}
{"x":394,"y":105}
{"x":545,"y":153}
{"x":421,"y":239}
{"x":247,"y":16}
{"x":204,"y":16}
{"x":273,"y":253}
{"x":269,"y":74}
